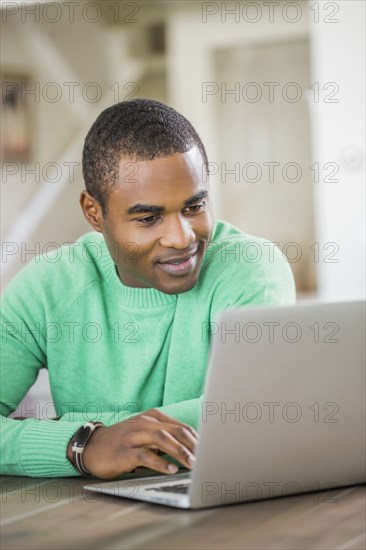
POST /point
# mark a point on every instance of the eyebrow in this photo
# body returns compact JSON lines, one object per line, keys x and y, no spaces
{"x":156,"y":209}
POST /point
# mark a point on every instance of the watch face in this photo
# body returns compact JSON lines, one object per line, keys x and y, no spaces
{"x":82,"y":436}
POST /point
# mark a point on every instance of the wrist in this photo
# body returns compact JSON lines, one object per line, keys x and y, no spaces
{"x":91,"y":448}
{"x":78,"y":444}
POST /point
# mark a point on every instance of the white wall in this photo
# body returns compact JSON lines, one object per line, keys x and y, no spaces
{"x":338,"y":55}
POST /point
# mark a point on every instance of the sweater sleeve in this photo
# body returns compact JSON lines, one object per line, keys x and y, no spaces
{"x":32,"y":447}
{"x":251,"y":272}
{"x":188,"y":411}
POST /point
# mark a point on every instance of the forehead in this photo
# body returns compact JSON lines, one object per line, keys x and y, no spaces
{"x":159,"y":181}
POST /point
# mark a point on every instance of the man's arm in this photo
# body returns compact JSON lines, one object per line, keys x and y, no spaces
{"x":41,"y":448}
{"x":38,"y":448}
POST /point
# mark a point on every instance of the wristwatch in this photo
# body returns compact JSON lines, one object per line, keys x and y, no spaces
{"x":78,"y":443}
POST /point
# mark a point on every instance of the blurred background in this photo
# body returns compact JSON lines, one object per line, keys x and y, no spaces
{"x":275,"y":90}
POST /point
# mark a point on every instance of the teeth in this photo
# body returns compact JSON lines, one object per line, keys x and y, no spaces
{"x":181,"y":261}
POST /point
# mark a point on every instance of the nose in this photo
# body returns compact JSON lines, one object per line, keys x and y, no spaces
{"x":178,"y":233}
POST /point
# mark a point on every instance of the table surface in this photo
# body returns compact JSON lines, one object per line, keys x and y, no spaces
{"x":59,"y":514}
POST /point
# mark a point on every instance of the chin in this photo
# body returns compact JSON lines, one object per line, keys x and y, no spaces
{"x":179,"y":288}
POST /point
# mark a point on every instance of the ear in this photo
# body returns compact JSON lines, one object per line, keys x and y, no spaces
{"x":92,"y":210}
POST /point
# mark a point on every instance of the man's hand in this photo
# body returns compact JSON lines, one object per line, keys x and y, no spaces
{"x":118,"y":449}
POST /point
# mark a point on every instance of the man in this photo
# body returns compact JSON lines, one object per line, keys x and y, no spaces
{"x":123,"y":320}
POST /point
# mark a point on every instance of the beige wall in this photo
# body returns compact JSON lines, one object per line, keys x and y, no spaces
{"x":338,"y":134}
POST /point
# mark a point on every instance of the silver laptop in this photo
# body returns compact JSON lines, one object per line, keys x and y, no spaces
{"x":283,"y":410}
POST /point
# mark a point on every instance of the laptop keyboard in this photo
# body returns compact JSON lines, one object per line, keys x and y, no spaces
{"x":178,"y":488}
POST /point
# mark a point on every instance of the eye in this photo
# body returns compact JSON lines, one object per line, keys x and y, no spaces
{"x":196,"y":207}
{"x":149,"y":220}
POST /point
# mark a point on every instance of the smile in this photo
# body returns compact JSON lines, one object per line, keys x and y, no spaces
{"x":179,"y":267}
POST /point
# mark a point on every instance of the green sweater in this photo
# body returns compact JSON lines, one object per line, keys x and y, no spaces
{"x":112,"y":350}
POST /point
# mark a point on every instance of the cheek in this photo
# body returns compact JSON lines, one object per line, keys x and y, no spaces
{"x":143,"y":244}
{"x":124,"y":238}
{"x":145,"y":240}
{"x":207,"y":223}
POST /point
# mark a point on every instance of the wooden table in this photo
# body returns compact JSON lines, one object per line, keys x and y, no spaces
{"x":60,"y":514}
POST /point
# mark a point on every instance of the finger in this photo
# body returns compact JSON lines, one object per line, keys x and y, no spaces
{"x":155,"y":413}
{"x":178,"y":430}
{"x":172,"y":446}
{"x":147,"y":458}
{"x":165,"y":442}
{"x":182,"y":432}
{"x":184,"y":436}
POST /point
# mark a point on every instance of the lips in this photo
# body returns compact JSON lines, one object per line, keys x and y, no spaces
{"x":178,"y":259}
{"x":184,"y":265}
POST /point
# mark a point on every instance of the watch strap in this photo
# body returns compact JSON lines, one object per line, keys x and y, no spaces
{"x":78,"y":444}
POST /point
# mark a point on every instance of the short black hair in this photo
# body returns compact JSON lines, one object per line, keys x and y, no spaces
{"x":140,"y":129}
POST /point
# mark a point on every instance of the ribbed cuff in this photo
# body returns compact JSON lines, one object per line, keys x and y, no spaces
{"x":43,"y":445}
{"x":43,"y":449}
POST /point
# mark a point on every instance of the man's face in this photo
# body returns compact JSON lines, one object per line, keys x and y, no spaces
{"x":159,"y":222}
